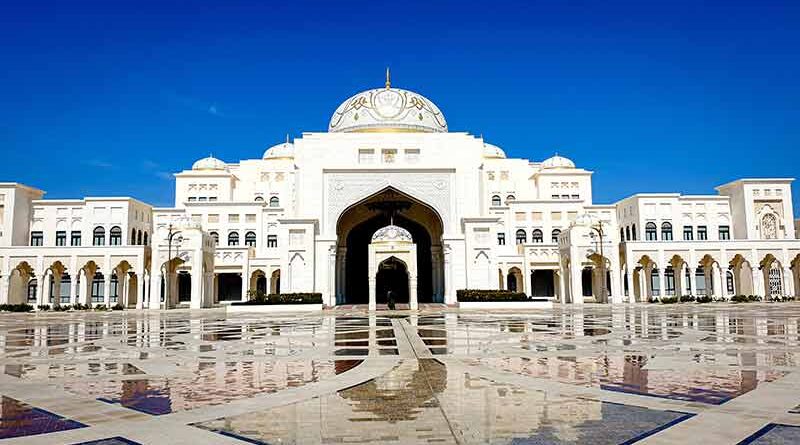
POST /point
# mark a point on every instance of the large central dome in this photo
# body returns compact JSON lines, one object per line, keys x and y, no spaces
{"x":388,"y":110}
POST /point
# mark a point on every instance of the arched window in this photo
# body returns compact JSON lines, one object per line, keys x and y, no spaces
{"x":139,"y":238}
{"x":115,"y":238}
{"x":496,"y":201}
{"x":650,"y":232}
{"x":627,"y":233}
{"x":274,"y":202}
{"x":510,"y":198}
{"x":536,"y":236}
{"x":98,"y":288}
{"x":729,"y":283}
{"x":522,"y":237}
{"x":133,"y":236}
{"x":259,"y":199}
{"x":621,"y":234}
{"x":113,"y":290}
{"x":633,"y":232}
{"x":32,"y":284}
{"x":666,"y":231}
{"x":250,"y":239}
{"x":144,"y":240}
{"x":769,"y":227}
{"x":215,"y":235}
{"x":99,"y":236}
{"x":233,"y":239}
{"x":555,"y":234}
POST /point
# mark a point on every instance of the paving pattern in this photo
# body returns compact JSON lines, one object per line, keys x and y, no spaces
{"x":650,"y":374}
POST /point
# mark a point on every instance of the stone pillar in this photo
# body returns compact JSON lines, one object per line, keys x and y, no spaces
{"x":40,"y":288}
{"x":56,"y":297}
{"x":412,"y":293}
{"x":5,"y":289}
{"x":73,"y":288}
{"x":680,"y":280}
{"x":372,"y":301}
{"x":788,"y":281}
{"x":196,"y":301}
{"x":575,"y":283}
{"x":758,"y":289}
{"x":629,"y":277}
{"x":140,"y":291}
{"x":722,"y":282}
{"x":122,"y":298}
{"x":245,"y":285}
{"x":107,"y":289}
{"x":662,"y":288}
{"x":692,"y":281}
{"x":616,"y":286}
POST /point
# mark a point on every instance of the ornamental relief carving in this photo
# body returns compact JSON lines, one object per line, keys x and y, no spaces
{"x":346,"y":189}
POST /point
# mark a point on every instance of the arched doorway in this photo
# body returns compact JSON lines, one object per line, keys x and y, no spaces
{"x":392,"y":275}
{"x":354,"y":231}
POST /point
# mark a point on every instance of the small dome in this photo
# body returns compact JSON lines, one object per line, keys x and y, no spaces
{"x":388,"y":110}
{"x":392,"y":234}
{"x":209,"y":163}
{"x":493,"y":151}
{"x":558,"y":162}
{"x":282,"y":150}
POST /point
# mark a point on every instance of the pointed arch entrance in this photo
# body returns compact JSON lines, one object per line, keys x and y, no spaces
{"x":392,"y":276}
{"x":354,"y":230}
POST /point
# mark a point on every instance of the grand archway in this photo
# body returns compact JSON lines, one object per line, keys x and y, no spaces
{"x":354,"y":231}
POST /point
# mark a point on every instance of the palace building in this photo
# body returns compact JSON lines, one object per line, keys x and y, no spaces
{"x":390,"y":199}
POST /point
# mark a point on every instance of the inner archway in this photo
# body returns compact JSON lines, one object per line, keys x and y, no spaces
{"x":392,"y":275}
{"x":354,"y":231}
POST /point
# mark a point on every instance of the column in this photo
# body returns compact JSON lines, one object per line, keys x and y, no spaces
{"x":692,"y":281}
{"x":73,"y":288}
{"x":372,"y":302}
{"x":629,"y":278}
{"x":616,"y":286}
{"x":758,"y":289}
{"x":788,"y":281}
{"x":575,"y":283}
{"x":412,"y":293}
{"x":41,"y":284}
{"x":140,"y":279}
{"x":122,"y":294}
{"x":245,"y":284}
{"x":5,"y":288}
{"x":107,"y":289}
{"x":662,"y":288}
{"x":722,"y":282}
{"x":196,"y":301}
{"x":56,"y":293}
{"x":680,"y":280}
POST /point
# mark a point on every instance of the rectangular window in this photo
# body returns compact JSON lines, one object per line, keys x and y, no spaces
{"x":501,"y":239}
{"x":250,"y":218}
{"x":213,"y":218}
{"x":97,"y":290}
{"x":572,"y":216}
{"x":519,"y":216}
{"x":702,"y":233}
{"x":412,"y":155}
{"x":192,"y":198}
{"x":366,"y":156}
{"x":75,"y":238}
{"x":536,"y":216}
{"x":554,"y":196}
{"x":688,"y":233}
{"x":202,"y":198}
{"x":212,"y":198}
{"x":272,"y":240}
{"x":724,"y":232}
{"x":233,"y":218}
{"x":555,"y":216}
{"x":389,"y":155}
{"x":37,"y":238}
{"x":576,"y":196}
{"x":61,"y":238}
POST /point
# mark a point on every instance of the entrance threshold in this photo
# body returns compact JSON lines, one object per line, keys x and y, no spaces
{"x":384,"y":307}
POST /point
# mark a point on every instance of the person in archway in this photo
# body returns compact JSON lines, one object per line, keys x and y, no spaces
{"x":390,"y":299}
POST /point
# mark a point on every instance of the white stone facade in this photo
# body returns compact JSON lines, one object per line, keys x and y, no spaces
{"x":301,"y":219}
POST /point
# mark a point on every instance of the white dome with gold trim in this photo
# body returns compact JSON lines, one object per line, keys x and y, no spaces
{"x":493,"y":151}
{"x":282,"y":150}
{"x":209,"y":163}
{"x":558,"y":162}
{"x":388,"y":109}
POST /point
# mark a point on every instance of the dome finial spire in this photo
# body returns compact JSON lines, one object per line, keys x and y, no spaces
{"x":287,"y":138}
{"x":388,"y":79}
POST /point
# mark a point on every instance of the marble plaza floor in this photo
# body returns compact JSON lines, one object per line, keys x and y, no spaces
{"x":650,"y":374}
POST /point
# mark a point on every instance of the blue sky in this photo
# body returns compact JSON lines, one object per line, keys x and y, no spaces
{"x":110,"y":98}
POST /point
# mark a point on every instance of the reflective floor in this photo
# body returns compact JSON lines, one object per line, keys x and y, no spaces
{"x":593,"y":375}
